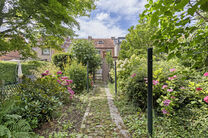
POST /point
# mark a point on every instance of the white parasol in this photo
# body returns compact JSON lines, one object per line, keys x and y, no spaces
{"x":19,"y":70}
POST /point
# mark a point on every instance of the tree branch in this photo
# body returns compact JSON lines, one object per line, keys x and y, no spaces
{"x":206,"y":19}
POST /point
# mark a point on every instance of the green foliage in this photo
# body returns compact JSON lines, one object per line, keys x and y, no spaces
{"x":33,"y":20}
{"x":12,"y":124}
{"x":9,"y":69}
{"x":109,"y":59}
{"x":61,"y":59}
{"x":48,"y":66}
{"x":137,"y":40}
{"x":40,"y":98}
{"x":78,"y":73}
{"x":178,"y":32}
{"x":83,"y":51}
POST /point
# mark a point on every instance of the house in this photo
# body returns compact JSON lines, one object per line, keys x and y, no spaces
{"x":13,"y":55}
{"x":103,"y":45}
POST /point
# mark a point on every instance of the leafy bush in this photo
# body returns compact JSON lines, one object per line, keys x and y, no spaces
{"x":61,"y":59}
{"x":12,"y":124}
{"x":49,"y":66}
{"x":173,"y":84}
{"x":40,"y":98}
{"x":78,"y":73}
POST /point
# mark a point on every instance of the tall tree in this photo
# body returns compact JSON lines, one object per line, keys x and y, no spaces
{"x":183,"y":28}
{"x":24,"y":23}
{"x":84,"y":51}
{"x":137,"y":40}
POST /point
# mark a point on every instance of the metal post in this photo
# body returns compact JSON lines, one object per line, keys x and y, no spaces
{"x":115,"y":79}
{"x":87,"y":76}
{"x":149,"y":96}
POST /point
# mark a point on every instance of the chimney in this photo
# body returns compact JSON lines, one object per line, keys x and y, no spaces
{"x":113,"y":38}
{"x":90,"y":38}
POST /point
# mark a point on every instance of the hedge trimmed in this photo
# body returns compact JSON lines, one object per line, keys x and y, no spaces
{"x":8,"y":69}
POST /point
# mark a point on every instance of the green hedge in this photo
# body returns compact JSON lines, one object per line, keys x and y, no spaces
{"x":8,"y":69}
{"x":61,"y":59}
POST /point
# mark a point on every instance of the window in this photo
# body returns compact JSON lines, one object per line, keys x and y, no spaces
{"x":46,"y":51}
{"x":100,"y":42}
{"x":98,"y":51}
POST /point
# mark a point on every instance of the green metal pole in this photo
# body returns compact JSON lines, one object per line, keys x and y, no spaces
{"x":115,"y":79}
{"x":149,"y":96}
{"x":87,"y":76}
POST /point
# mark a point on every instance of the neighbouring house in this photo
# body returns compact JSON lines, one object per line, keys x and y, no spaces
{"x":44,"y":54}
{"x":13,"y":55}
{"x":103,"y":45}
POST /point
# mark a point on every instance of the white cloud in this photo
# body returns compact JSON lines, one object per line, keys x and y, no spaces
{"x":109,"y":17}
{"x":124,"y":7}
{"x":99,"y":29}
{"x":102,"y":16}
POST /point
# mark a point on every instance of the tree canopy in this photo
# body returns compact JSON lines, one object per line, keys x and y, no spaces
{"x":24,"y":23}
{"x":137,"y":40}
{"x":83,"y":51}
{"x":183,"y":28}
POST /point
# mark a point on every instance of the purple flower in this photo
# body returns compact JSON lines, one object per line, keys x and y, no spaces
{"x":174,"y":76}
{"x":169,"y":90}
{"x":44,"y":74}
{"x":164,"y":111}
{"x":59,"y":81}
{"x":59,"y":72}
{"x":182,"y":87}
{"x":47,"y":71}
{"x":166,"y":102}
{"x":69,"y":81}
{"x":64,"y":78}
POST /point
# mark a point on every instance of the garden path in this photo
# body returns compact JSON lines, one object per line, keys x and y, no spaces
{"x":102,"y":119}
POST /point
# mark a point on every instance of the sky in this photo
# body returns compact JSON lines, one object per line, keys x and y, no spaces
{"x":111,"y":18}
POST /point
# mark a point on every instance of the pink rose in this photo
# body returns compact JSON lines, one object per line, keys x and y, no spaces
{"x":173,"y":69}
{"x":155,"y":82}
{"x":133,"y":75}
{"x":206,"y":99}
{"x":169,"y":90}
{"x":206,"y":74}
{"x":164,"y":86}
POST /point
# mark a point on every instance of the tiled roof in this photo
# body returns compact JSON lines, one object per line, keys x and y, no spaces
{"x":105,"y":43}
{"x":11,"y":55}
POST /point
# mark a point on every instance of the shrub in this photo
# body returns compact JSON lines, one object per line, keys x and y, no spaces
{"x":78,"y":73}
{"x":40,"y":98}
{"x":61,"y":59}
{"x":12,"y":124}
{"x":49,"y":66}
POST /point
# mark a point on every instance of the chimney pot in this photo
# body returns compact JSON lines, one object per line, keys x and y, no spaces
{"x":90,"y":38}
